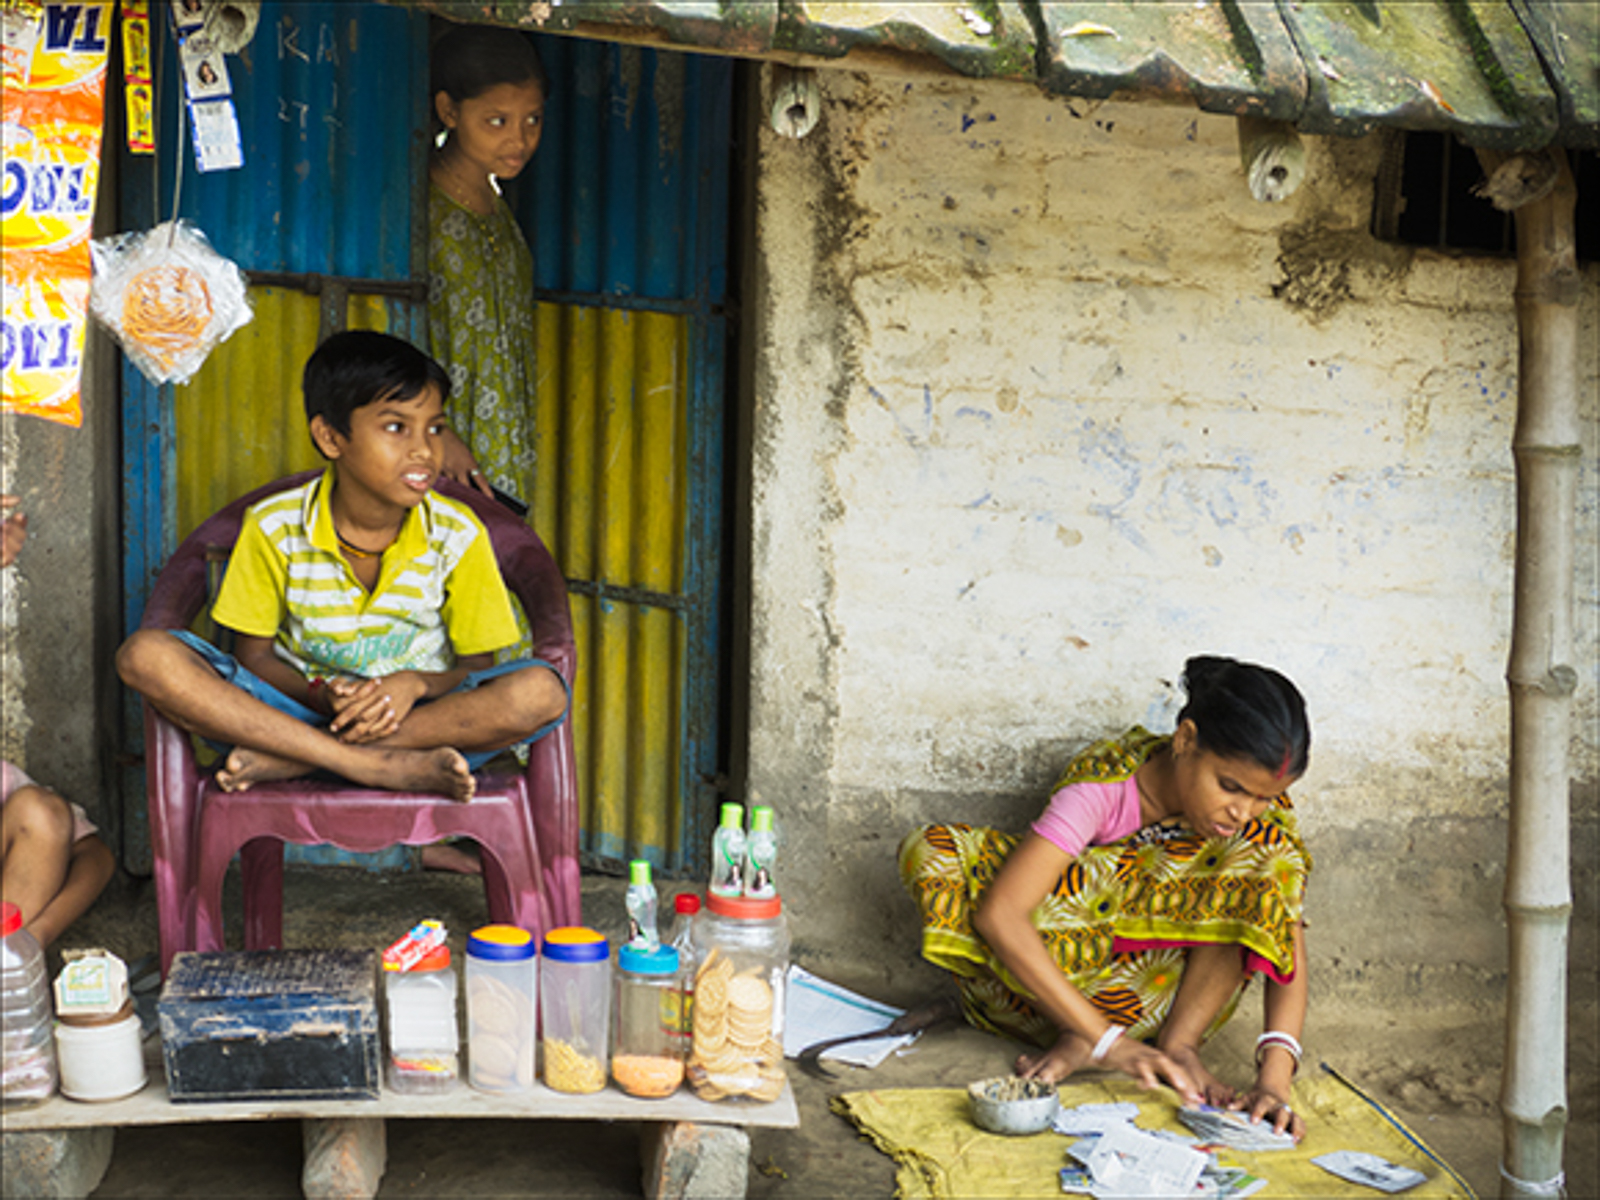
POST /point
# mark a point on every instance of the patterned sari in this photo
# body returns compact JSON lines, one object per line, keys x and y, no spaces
{"x":1120,"y":919}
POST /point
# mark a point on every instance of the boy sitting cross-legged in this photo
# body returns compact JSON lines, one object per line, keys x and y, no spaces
{"x":367,"y":607}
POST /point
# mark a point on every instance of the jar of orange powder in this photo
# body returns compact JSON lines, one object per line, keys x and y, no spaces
{"x":648,"y":1042}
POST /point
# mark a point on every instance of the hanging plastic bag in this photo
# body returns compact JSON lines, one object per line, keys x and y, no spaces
{"x":168,"y":298}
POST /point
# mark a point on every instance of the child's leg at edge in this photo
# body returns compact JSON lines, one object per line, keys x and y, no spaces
{"x":89,"y":870}
{"x":36,"y":826}
{"x":270,"y":744}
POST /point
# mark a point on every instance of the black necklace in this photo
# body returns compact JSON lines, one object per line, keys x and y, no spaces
{"x":354,"y":550}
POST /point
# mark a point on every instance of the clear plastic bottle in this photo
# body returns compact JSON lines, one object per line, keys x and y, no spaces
{"x":727,"y":853}
{"x":686,"y":905}
{"x":424,"y":1042}
{"x":641,"y":904}
{"x":760,"y":855}
{"x":27,"y":1042}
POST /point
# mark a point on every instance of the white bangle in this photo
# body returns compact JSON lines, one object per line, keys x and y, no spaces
{"x":1275,"y":1037}
{"x":1107,"y":1040}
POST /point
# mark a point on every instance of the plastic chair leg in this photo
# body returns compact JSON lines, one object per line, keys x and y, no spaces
{"x":261,"y":871}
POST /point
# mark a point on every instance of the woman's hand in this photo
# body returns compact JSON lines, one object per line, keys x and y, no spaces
{"x":1151,"y":1067}
{"x":1264,"y":1104}
{"x":367,"y":710}
{"x":460,"y":465}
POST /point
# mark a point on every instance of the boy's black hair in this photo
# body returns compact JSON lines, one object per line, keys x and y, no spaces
{"x":352,"y":369}
{"x":471,"y":59}
{"x":1244,"y":711}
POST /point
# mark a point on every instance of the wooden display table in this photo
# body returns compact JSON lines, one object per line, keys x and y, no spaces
{"x":692,"y":1147}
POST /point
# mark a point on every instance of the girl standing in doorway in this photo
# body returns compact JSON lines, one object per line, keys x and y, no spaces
{"x":488,"y":92}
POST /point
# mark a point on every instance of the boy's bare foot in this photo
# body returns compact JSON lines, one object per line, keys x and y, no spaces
{"x":246,"y":767}
{"x":442,"y":771}
{"x":1213,"y":1089}
{"x":445,"y":856}
{"x":1070,"y":1053}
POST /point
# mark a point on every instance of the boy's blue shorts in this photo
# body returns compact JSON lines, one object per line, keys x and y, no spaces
{"x":227,"y":666}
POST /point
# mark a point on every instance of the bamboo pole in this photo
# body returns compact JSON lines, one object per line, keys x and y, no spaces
{"x":1538,"y":895}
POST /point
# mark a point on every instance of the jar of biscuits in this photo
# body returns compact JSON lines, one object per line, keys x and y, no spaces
{"x":742,"y":955}
{"x":575,"y":1009}
{"x":502,"y":982}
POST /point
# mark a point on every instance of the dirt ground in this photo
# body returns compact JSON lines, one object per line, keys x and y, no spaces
{"x":1451,"y":1107}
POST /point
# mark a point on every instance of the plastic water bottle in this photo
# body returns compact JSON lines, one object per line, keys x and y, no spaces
{"x":727,"y":853}
{"x":685,"y":905}
{"x":641,"y":904}
{"x":760,"y":853}
{"x":27,"y":1044}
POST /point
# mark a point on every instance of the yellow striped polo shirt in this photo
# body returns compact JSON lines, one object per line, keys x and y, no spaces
{"x":439,"y":590}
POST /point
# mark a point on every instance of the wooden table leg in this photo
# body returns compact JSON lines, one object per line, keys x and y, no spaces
{"x":688,"y":1161}
{"x":345,"y":1157}
{"x":55,"y":1164}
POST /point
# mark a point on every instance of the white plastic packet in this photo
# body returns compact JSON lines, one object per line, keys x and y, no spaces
{"x":168,"y":298}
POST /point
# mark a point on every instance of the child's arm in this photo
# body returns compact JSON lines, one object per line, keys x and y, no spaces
{"x":256,"y":655}
{"x":88,"y":871}
{"x":368,"y":709}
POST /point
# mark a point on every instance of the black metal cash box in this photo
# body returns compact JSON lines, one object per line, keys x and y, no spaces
{"x":272,"y":1025}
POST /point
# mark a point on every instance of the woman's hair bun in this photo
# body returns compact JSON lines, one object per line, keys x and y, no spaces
{"x":1244,"y":710}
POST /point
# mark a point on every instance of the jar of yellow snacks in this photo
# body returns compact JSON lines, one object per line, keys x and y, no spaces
{"x":575,"y":1009}
{"x":742,"y":956}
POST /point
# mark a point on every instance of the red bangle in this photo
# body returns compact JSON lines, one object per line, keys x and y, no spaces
{"x":316,"y":687}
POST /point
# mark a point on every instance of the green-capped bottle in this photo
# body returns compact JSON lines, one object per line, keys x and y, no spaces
{"x":727,"y":853}
{"x":641,"y":903}
{"x":760,"y":855}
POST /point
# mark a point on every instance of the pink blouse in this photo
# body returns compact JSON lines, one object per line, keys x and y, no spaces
{"x":1090,"y":814}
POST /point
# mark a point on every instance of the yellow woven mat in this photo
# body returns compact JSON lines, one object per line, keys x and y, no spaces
{"x":942,"y":1155}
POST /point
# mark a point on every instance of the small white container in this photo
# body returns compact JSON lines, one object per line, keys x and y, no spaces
{"x":102,"y":1061}
{"x":424,"y":1044}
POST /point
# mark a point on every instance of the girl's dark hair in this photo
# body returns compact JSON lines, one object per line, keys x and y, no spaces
{"x":471,"y":59}
{"x":1241,"y":710}
{"x":358,"y":367}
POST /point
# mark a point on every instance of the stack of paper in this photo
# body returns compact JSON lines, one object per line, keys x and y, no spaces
{"x":817,"y":1011}
{"x":1116,"y":1160}
{"x":1224,"y":1127}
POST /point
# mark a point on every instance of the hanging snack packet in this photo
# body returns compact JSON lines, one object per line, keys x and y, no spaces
{"x":168,"y":297}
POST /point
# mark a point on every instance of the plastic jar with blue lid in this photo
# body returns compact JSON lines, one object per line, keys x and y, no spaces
{"x":575,"y":1009}
{"x":502,"y":983}
{"x":647,"y":1049}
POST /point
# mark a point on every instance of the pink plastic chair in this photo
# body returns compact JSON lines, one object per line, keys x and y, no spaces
{"x":526,"y":825}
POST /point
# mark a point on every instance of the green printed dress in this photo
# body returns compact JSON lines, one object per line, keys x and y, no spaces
{"x":481,"y":329}
{"x":1122,"y":916}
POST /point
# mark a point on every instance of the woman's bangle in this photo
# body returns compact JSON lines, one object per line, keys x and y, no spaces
{"x":1107,"y":1040}
{"x":1274,"y":1037}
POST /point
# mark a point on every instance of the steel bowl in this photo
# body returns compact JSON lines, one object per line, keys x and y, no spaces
{"x":1013,"y":1106}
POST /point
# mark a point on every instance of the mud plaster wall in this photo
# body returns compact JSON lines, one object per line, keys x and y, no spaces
{"x":1044,"y":402}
